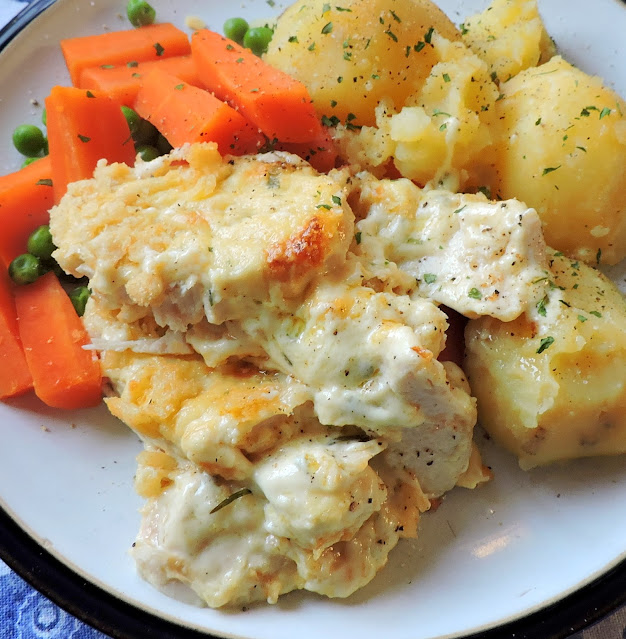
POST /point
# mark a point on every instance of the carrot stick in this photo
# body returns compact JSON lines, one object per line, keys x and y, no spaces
{"x":25,"y":197}
{"x":15,"y":377}
{"x":122,"y":83}
{"x":122,"y":47}
{"x":65,"y":375}
{"x":184,"y":113}
{"x":272,"y":100}
{"x":83,"y":128}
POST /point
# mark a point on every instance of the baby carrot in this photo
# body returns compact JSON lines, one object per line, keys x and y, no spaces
{"x":15,"y":377}
{"x":25,"y":198}
{"x":269,"y":98}
{"x":83,"y":128}
{"x":122,"y":82}
{"x":151,"y":42}
{"x":65,"y":375}
{"x":184,"y":113}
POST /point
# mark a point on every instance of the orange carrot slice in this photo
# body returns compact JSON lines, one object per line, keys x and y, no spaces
{"x":25,"y":198}
{"x":122,"y":47}
{"x":184,"y":113}
{"x":65,"y":375}
{"x":122,"y":83}
{"x":272,"y":100}
{"x":83,"y":128}
{"x":15,"y":377}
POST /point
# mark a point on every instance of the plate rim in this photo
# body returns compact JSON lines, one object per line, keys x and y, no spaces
{"x":122,"y":619}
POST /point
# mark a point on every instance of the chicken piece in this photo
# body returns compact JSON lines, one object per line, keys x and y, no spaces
{"x":191,"y":235}
{"x":475,"y":256}
{"x":320,"y":513}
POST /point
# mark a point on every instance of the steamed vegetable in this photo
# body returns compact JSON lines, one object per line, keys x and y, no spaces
{"x":274,"y":102}
{"x":82,"y":129}
{"x":123,"y":47}
{"x":25,"y":197}
{"x":65,"y":375}
{"x":183,"y":113}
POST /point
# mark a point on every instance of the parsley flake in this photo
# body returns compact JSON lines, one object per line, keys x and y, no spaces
{"x":44,"y":182}
{"x":604,"y":112}
{"x":429,"y":35}
{"x":357,"y":237}
{"x":430,"y":278}
{"x":230,"y":499}
{"x":83,"y":138}
{"x":158,"y":48}
{"x":546,"y":342}
{"x":327,"y":28}
{"x":446,"y":77}
{"x":550,"y":169}
{"x":475,"y":294}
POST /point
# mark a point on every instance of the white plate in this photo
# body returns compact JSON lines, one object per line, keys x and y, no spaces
{"x":483,"y":559}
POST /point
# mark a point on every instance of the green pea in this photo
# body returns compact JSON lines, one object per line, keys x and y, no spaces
{"x":236,"y":29}
{"x":25,"y":268}
{"x":163,"y":145}
{"x":40,"y":243}
{"x":132,"y":118}
{"x":147,"y":152}
{"x":257,"y":39}
{"x":140,"y":13}
{"x":29,"y":140}
{"x":79,"y":297}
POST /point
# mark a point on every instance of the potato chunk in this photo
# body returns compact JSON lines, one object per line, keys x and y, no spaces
{"x":552,"y":384}
{"x":562,"y":150}
{"x":510,"y":36}
{"x":354,"y":55}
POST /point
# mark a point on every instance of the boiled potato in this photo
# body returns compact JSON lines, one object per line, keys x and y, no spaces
{"x":510,"y":36}
{"x":561,"y":148}
{"x":552,"y":385}
{"x":352,"y":56}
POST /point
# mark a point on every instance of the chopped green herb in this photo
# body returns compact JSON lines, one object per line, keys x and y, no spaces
{"x":229,"y":47}
{"x":347,"y":55}
{"x":330,"y":121}
{"x":293,"y":39}
{"x":546,"y":342}
{"x":392,"y":35}
{"x":395,"y":16}
{"x":83,"y":138}
{"x":475,"y":294}
{"x":604,"y":112}
{"x":596,"y":313}
{"x":239,"y":60}
{"x":230,"y":499}
{"x":271,"y":3}
{"x":598,"y":256}
{"x":582,"y":318}
{"x":159,"y":49}
{"x":136,"y":75}
{"x":438,"y":112}
{"x":463,"y":28}
{"x":327,"y":28}
{"x":582,"y":148}
{"x":443,"y":127}
{"x":375,"y":76}
{"x":132,"y":64}
{"x":357,"y":237}
{"x":340,"y":79}
{"x":446,"y":77}
{"x":336,"y":200}
{"x":429,"y":35}
{"x":538,"y":122}
{"x":541,"y":306}
{"x":89,"y":94}
{"x":343,"y":9}
{"x":550,"y":169}
{"x":430,"y":278}
{"x":44,"y":182}
{"x":325,"y":8}
{"x":459,"y":210}
{"x":312,"y":46}
{"x":333,"y":103}
{"x":107,"y":66}
{"x":419,"y":46}
{"x":324,"y":206}
{"x":179,"y":87}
